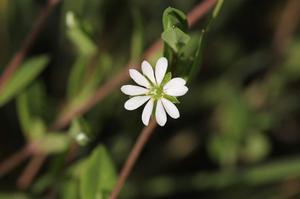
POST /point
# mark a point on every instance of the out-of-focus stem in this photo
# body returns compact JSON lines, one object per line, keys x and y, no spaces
{"x":30,"y":171}
{"x":14,"y":160}
{"x":132,"y":158}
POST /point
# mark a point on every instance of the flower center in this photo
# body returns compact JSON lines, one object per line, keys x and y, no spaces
{"x":156,"y":92}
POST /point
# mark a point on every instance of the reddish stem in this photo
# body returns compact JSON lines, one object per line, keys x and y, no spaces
{"x":14,"y":160}
{"x":133,"y":156}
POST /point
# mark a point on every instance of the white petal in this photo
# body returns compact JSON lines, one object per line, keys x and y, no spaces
{"x":133,"y":90}
{"x":135,"y":102}
{"x":147,"y":112}
{"x":174,"y":83}
{"x":179,"y":91}
{"x":160,"y":114}
{"x":148,"y":71}
{"x":138,"y":78}
{"x":161,"y":69}
{"x":170,"y":108}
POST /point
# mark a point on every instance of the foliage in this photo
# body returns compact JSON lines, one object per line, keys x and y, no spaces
{"x":238,"y":132}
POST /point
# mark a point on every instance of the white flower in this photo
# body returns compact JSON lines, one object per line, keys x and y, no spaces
{"x":155,"y":89}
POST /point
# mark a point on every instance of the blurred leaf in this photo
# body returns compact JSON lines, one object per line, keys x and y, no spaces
{"x":98,"y":175}
{"x":175,"y":38}
{"x":91,"y":79}
{"x":30,"y":108}
{"x":223,"y":150}
{"x":13,"y":196}
{"x":82,"y":42}
{"x":77,"y":76}
{"x":53,"y":142}
{"x":23,"y":112}
{"x":69,"y":190}
{"x":36,"y":129}
{"x":261,"y":175}
{"x":23,"y":77}
{"x":217,"y":8}
{"x":137,"y":39}
{"x":290,"y":69}
{"x":256,"y":148}
{"x":42,"y":183}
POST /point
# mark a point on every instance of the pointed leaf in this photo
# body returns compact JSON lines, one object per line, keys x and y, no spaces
{"x":98,"y":175}
{"x":23,"y":77}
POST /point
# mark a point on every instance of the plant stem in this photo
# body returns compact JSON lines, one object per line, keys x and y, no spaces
{"x":14,"y":160}
{"x":30,"y":171}
{"x":15,"y":62}
{"x":132,"y":158}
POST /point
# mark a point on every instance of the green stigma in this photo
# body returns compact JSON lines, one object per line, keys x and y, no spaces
{"x":156,"y":92}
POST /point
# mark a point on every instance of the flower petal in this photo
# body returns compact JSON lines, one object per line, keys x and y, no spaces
{"x":133,"y":90}
{"x":148,"y":71}
{"x":147,"y":112}
{"x":174,"y":83}
{"x":161,"y":69}
{"x":170,"y":108}
{"x":178,"y":91}
{"x":138,"y":78}
{"x":135,"y":102}
{"x":160,"y":114}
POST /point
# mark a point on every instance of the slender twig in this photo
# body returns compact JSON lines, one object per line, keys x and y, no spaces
{"x":133,"y":156}
{"x":65,"y":117}
{"x":18,"y":58}
{"x":30,"y":171}
{"x":14,"y":160}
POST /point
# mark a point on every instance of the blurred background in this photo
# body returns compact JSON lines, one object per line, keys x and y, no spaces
{"x":238,"y":135}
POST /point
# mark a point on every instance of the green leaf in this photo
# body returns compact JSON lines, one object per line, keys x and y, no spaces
{"x":217,"y":8}
{"x":175,"y":38}
{"x":98,"y":175}
{"x":175,"y":26}
{"x":53,"y":142}
{"x":82,"y":42}
{"x":23,"y":77}
{"x":90,"y":80}
{"x":36,"y":129}
{"x":76,"y":76}
{"x":69,"y":190}
{"x":30,"y":106}
{"x":174,"y":18}
{"x":23,"y":112}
